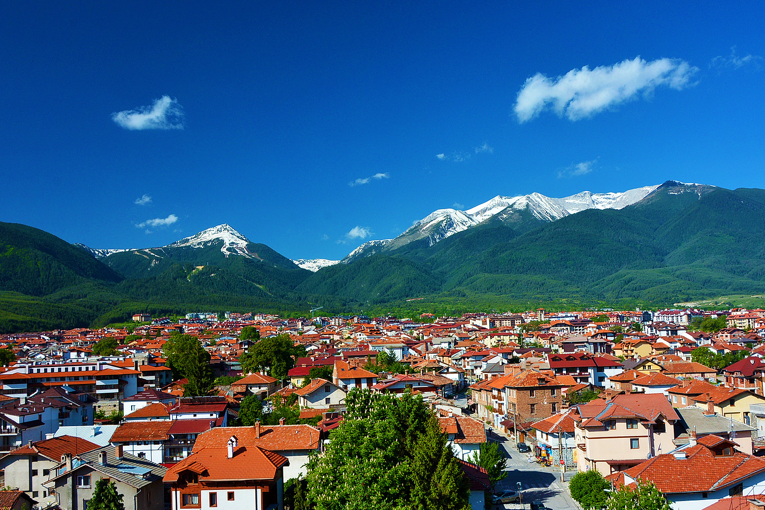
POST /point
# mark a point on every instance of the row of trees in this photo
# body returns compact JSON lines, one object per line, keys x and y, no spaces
{"x":593,"y":492}
{"x":711,"y":359}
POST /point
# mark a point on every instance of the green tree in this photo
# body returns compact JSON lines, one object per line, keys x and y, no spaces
{"x":6,"y":357}
{"x":107,"y":346}
{"x":388,"y":453}
{"x":645,"y":496}
{"x":582,"y":396}
{"x":249,"y":333}
{"x":490,"y":457}
{"x":277,"y":355}
{"x":250,"y":410}
{"x":106,"y":497}
{"x":188,"y":359}
{"x":636,"y":326}
{"x":588,"y":488}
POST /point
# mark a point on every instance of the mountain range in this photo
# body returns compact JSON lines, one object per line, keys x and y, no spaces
{"x":652,"y":246}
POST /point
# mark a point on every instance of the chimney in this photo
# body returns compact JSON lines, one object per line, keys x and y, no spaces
{"x":257,"y":429}
{"x":67,"y":460}
{"x":102,"y":458}
{"x":118,"y":451}
{"x":230,"y":445}
{"x":692,"y":439}
{"x":710,"y":406}
{"x":281,"y":420}
{"x":755,"y":504}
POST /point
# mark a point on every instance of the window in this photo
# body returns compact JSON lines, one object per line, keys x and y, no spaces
{"x":533,"y":408}
{"x":34,"y":472}
{"x":326,"y":388}
{"x":610,"y":424}
{"x":532,"y":393}
{"x":83,"y":481}
{"x":213,"y":499}
{"x":85,"y":504}
{"x":141,"y":455}
{"x":554,"y":407}
{"x":191,"y":499}
{"x":230,"y":496}
{"x":35,"y":494}
{"x":683,"y":400}
{"x":552,"y":392}
{"x":326,"y":400}
{"x":634,"y":443}
{"x":632,"y":424}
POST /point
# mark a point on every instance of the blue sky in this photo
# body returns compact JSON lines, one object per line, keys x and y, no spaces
{"x":315,"y":126}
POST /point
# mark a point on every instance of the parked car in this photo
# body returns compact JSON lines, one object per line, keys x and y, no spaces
{"x":506,"y":496}
{"x":523,"y":448}
{"x":535,"y":505}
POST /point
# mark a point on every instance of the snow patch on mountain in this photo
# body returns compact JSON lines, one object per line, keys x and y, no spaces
{"x":97,"y":252}
{"x":314,"y":265}
{"x":234,"y":243}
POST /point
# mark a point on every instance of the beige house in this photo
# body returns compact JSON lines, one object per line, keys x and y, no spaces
{"x":612,"y":435}
{"x":320,"y":394}
{"x":257,"y":384}
{"x":730,"y":403}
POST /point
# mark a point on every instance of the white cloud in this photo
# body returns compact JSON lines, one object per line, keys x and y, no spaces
{"x":578,"y":169}
{"x":164,"y":113}
{"x":143,"y":200}
{"x":441,"y":156}
{"x":458,"y":206}
{"x":358,"y":233}
{"x":735,"y":62}
{"x":367,"y":180}
{"x":583,"y":92}
{"x":457,"y":157}
{"x":484,"y":148}
{"x":159,"y":222}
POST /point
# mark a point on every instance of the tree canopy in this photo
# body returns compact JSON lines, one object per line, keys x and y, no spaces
{"x":249,"y":333}
{"x":276,"y":355}
{"x":188,"y":359}
{"x":711,"y":359}
{"x":645,"y":496}
{"x":107,"y":346}
{"x":588,"y":488}
{"x":106,"y":497}
{"x":388,"y":453}
{"x":708,"y":324}
{"x":7,"y":356}
{"x":490,"y":458}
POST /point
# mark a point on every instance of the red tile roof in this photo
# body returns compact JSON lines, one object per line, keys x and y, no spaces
{"x":142,"y":431}
{"x":150,"y":411}
{"x":275,"y":438}
{"x":54,"y":448}
{"x":212,"y":463}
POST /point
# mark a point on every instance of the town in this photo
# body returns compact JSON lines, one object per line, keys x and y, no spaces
{"x":654,"y":396}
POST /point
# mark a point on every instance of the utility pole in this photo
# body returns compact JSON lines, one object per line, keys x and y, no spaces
{"x":560,"y":454}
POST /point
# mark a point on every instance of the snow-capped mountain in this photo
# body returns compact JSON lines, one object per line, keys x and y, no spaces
{"x":314,"y":265}
{"x":446,"y":222}
{"x":234,"y":243}
{"x":97,"y":253}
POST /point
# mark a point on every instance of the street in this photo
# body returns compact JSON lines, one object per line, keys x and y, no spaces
{"x":540,"y":484}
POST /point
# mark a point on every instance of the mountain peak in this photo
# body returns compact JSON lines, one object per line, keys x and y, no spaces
{"x":233,"y":242}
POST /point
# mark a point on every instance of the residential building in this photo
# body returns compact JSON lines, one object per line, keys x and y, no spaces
{"x":26,"y":468}
{"x":146,"y":398}
{"x":295,"y":442}
{"x":256,"y":384}
{"x":348,"y":377}
{"x":615,"y":434}
{"x":700,"y":474}
{"x":320,"y":394}
{"x":527,"y":396}
{"x":695,"y":421}
{"x":464,"y":434}
{"x":139,"y":481}
{"x":144,"y":439}
{"x":556,"y":436}
{"x":228,"y":475}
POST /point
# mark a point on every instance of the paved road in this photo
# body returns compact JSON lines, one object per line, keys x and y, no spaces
{"x":539,"y":483}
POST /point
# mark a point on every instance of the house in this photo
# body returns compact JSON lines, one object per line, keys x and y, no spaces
{"x":26,"y":468}
{"x":683,"y":395}
{"x":138,"y":480}
{"x":480,"y":484}
{"x":348,"y":377}
{"x":19,"y":424}
{"x":320,"y":394}
{"x":696,"y":476}
{"x":614,"y":434}
{"x":16,"y":500}
{"x":745,"y":374}
{"x":201,"y":408}
{"x":151,"y":412}
{"x":729,"y":403}
{"x":695,"y":421}
{"x":256,"y":384}
{"x":529,"y":395}
{"x":146,"y":398}
{"x":295,"y":442}
{"x":404,"y":382}
{"x":654,"y":383}
{"x":228,"y":475}
{"x":690,"y":370}
{"x":464,"y":434}
{"x":143,"y":439}
{"x":556,"y":436}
